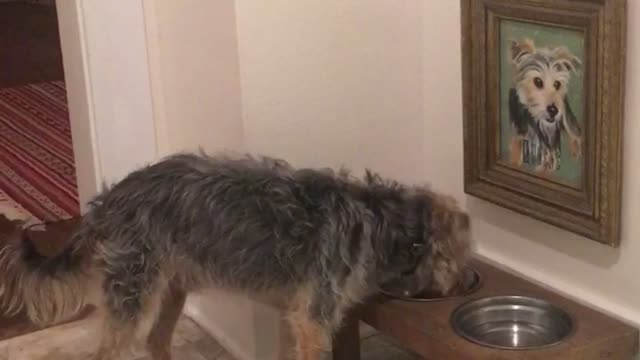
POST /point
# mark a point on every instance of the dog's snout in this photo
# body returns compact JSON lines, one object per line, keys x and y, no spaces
{"x":552,"y":110}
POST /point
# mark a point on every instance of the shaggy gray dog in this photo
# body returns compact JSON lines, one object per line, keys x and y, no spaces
{"x":322,"y":239}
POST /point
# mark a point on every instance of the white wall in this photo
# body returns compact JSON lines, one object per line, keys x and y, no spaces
{"x":85,"y":147}
{"x":104,"y":48}
{"x":195,"y":80}
{"x":334,"y":82}
{"x":118,"y":85}
{"x":378,"y":83}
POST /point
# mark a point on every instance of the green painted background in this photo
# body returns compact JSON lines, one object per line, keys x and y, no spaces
{"x":543,"y":36}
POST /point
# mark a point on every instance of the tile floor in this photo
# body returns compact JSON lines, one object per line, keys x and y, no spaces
{"x":77,"y":341}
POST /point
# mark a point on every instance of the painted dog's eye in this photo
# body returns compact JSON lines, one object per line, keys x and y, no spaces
{"x":538,"y":83}
{"x":557,"y":85}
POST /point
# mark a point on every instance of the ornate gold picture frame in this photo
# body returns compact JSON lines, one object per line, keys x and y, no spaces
{"x":543,"y":97}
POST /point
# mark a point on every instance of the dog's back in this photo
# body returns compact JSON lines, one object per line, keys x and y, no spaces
{"x":244,"y":223}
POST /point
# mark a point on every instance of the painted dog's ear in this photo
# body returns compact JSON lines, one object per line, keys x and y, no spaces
{"x":565,"y":58}
{"x":521,"y":49}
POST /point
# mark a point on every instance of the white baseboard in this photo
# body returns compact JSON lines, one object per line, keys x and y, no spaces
{"x":197,"y":314}
{"x":248,"y":330}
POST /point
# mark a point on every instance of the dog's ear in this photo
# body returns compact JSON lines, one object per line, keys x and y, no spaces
{"x":565,"y":58}
{"x":521,"y":49}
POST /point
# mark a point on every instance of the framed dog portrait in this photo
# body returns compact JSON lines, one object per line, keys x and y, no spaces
{"x":543,"y":90}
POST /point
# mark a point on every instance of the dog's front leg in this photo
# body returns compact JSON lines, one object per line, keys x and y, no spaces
{"x":311,"y":337}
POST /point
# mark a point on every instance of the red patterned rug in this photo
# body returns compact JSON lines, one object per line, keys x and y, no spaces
{"x":36,"y":154}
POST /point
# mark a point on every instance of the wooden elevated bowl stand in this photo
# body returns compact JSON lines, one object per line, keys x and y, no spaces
{"x":424,"y":327}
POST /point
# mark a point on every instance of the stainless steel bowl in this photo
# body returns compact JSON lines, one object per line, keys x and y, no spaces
{"x":472,"y":282}
{"x":512,"y":322}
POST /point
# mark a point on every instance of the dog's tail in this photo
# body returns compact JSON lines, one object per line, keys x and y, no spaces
{"x":48,"y":289}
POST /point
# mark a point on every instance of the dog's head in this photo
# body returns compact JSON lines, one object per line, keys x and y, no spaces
{"x":425,"y":244}
{"x":541,"y":77}
{"x":450,"y":246}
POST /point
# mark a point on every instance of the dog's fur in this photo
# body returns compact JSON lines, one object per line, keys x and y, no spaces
{"x":538,"y":105}
{"x":253,"y":225}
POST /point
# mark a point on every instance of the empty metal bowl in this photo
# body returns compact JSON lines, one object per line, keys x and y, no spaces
{"x":512,"y":322}
{"x":470,"y":283}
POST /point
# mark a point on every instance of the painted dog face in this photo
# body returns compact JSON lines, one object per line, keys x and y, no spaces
{"x":541,"y":77}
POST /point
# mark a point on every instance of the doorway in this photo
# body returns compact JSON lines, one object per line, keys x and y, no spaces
{"x":37,"y":165}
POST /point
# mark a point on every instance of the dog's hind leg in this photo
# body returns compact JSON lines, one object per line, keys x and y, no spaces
{"x":124,"y":321}
{"x":133,"y":287}
{"x":159,"y":340}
